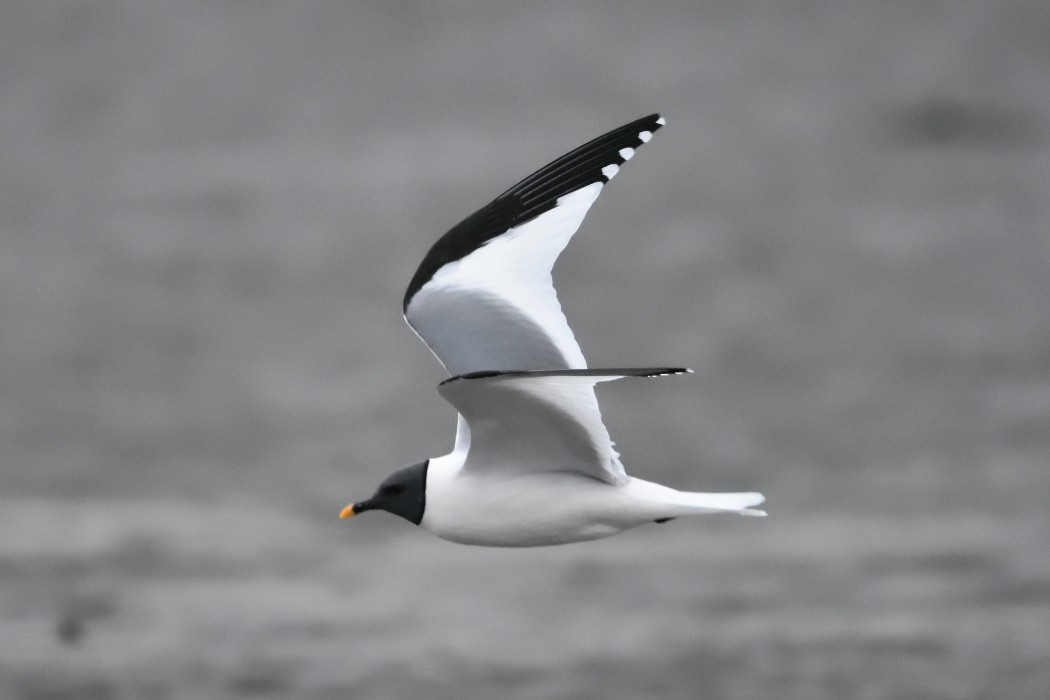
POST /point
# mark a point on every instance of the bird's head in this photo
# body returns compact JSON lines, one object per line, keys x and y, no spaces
{"x":402,"y":493}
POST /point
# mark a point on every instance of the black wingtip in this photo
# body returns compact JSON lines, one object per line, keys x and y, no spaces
{"x":596,"y":372}
{"x":598,"y":160}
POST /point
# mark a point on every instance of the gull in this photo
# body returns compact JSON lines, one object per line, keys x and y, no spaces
{"x":532,"y":463}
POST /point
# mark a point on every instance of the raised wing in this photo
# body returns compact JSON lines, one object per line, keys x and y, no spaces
{"x":540,"y":420}
{"x":483,"y":299}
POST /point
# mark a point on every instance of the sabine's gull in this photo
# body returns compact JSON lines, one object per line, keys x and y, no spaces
{"x":532,"y":463}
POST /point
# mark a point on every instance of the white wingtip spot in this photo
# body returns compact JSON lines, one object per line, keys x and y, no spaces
{"x":609,"y":170}
{"x":661,"y":121}
{"x":645,"y":136}
{"x":626,"y":153}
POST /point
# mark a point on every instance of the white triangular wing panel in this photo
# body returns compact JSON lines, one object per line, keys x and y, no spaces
{"x":483,"y":298}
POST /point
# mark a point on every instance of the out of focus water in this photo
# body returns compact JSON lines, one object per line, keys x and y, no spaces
{"x":209,"y":211}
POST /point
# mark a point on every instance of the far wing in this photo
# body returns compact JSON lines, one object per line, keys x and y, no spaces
{"x":482,"y":298}
{"x":540,"y":420}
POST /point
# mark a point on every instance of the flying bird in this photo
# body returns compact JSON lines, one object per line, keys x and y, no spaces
{"x":532,"y":462}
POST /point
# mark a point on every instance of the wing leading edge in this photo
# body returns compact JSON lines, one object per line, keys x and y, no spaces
{"x":542,"y":420}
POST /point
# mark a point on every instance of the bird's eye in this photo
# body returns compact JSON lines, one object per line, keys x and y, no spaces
{"x":394,"y":489}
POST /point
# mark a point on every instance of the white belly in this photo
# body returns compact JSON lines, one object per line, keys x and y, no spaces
{"x":528,"y":510}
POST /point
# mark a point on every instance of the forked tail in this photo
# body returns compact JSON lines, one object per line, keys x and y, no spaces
{"x":723,"y":502}
{"x":663,"y":502}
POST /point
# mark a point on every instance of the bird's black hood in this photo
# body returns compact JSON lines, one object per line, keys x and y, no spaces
{"x":403,"y":493}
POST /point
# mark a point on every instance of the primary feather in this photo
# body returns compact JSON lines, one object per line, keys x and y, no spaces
{"x":482,"y":298}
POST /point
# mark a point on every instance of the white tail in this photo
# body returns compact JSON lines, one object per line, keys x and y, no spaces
{"x":671,"y":503}
{"x":724,"y":502}
{"x":721,"y":503}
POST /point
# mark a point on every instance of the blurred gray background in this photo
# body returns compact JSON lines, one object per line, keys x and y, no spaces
{"x":209,"y":212}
